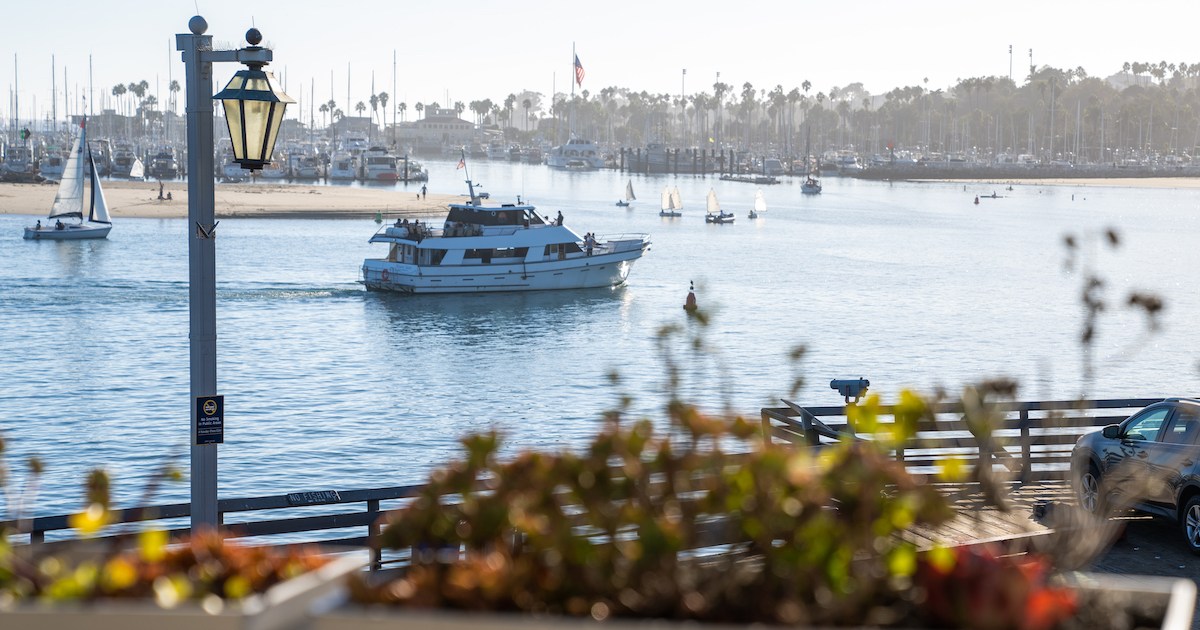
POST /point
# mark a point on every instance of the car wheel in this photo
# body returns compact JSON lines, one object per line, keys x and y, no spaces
{"x":1089,"y":493}
{"x":1190,"y":522}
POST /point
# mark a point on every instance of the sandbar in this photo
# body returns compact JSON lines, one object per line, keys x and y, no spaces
{"x":258,"y":200}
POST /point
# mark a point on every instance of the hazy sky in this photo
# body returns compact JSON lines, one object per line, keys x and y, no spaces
{"x":475,"y":49}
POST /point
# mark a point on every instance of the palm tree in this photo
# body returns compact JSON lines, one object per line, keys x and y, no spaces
{"x":324,"y":109}
{"x":119,"y":90}
{"x":383,"y":101}
{"x":402,"y":108}
{"x":360,"y":107}
{"x":420,"y":109}
{"x":526,"y":104}
{"x":459,"y":108}
{"x":174,"y":89}
{"x":509,"y":101}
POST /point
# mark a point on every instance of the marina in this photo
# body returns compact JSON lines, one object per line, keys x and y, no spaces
{"x":908,"y":284}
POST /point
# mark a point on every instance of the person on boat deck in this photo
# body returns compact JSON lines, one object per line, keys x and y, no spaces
{"x":39,"y":225}
{"x":58,"y":225}
{"x":560,"y":217}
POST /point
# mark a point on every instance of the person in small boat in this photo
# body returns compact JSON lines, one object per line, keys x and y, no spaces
{"x":58,"y":225}
{"x":39,"y":225}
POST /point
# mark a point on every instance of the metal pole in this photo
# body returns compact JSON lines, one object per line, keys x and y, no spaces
{"x":201,"y":262}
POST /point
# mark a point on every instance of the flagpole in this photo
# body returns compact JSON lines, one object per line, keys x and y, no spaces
{"x":571,"y":113}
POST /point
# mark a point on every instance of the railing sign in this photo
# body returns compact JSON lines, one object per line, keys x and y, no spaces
{"x":210,"y":420}
{"x":313,"y":498}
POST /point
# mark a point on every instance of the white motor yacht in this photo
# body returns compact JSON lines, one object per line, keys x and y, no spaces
{"x":576,"y":154}
{"x":507,"y":247}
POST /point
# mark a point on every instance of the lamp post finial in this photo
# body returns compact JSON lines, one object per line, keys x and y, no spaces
{"x":197,"y":25}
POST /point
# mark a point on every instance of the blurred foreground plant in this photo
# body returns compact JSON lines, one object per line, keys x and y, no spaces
{"x":705,"y":521}
{"x":204,"y":568}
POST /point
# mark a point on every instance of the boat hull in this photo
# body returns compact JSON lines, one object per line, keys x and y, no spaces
{"x":608,"y":270}
{"x":70,"y":232}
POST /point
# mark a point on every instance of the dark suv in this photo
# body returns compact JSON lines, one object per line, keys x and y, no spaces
{"x":1149,"y":462}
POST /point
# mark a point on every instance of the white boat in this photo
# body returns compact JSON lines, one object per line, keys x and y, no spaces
{"x":496,"y":150}
{"x":576,"y":154}
{"x":715,"y":213}
{"x":305,"y":167}
{"x":276,"y":168}
{"x":68,"y":202}
{"x":672,"y":203}
{"x":760,"y":205}
{"x":507,"y":247}
{"x":629,"y":196}
{"x":379,"y":165}
{"x":19,"y":165}
{"x":53,"y":165}
{"x":343,"y":166}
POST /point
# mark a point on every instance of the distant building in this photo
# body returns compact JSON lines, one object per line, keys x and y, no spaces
{"x":439,"y":128}
{"x":1122,"y":80}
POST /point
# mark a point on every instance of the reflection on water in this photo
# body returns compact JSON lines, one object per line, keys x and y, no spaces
{"x":475,"y":319}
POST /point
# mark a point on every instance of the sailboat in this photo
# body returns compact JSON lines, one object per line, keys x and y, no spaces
{"x":629,"y":196}
{"x":68,"y":203}
{"x":760,"y":205}
{"x":715,"y":213}
{"x":672,"y":204}
{"x":810,"y":186}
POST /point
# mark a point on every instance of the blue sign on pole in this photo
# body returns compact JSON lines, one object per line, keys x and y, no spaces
{"x":210,"y":420}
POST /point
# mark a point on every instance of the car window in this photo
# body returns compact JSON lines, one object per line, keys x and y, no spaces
{"x":1184,"y":430}
{"x":1147,"y":425}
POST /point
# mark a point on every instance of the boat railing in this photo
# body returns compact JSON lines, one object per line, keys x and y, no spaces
{"x":622,"y":242}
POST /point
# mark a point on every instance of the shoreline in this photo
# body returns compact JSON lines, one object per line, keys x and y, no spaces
{"x":129,"y":199}
{"x":1186,"y":183}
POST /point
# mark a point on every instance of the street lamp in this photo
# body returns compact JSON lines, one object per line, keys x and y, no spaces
{"x":254,"y":111}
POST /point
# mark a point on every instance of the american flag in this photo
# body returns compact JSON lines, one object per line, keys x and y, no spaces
{"x":462,"y":163}
{"x":578,"y":71}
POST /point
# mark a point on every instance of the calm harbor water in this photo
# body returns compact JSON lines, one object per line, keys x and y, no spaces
{"x":330,"y":387}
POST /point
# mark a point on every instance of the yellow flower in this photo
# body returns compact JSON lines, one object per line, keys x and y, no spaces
{"x":89,"y":521}
{"x":119,"y":574}
{"x":152,"y":544}
{"x":953,"y":469}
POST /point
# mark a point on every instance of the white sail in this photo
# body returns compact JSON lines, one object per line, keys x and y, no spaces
{"x":666,"y":198}
{"x":676,"y":200}
{"x":629,"y":191}
{"x":99,"y":212}
{"x":713,"y":206}
{"x":68,"y":202}
{"x":760,"y":204}
{"x":138,"y":170}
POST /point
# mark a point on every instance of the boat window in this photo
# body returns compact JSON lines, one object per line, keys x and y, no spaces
{"x":477,"y":253}
{"x":438,"y":255}
{"x":511,"y":252}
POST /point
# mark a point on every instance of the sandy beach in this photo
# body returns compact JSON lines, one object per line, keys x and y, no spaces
{"x":291,"y":201}
{"x":263,"y":200}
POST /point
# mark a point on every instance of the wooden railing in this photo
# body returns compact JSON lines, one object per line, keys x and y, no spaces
{"x":1032,"y":442}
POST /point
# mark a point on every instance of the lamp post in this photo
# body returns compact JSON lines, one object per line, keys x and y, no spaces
{"x":253,"y":112}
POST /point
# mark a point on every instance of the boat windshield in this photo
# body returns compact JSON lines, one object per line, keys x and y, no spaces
{"x":502,"y":215}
